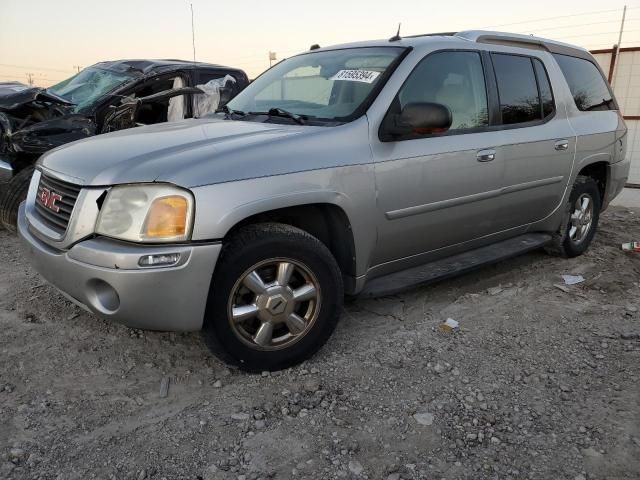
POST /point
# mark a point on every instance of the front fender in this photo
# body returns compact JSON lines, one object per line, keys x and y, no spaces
{"x":220,"y":207}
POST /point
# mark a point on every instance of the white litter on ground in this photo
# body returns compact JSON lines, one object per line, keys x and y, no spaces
{"x":572,"y":279}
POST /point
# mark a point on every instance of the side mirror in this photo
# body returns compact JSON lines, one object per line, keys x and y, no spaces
{"x":417,"y":119}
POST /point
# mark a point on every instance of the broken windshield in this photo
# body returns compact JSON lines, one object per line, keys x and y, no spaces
{"x":89,"y":86}
{"x":322,"y":86}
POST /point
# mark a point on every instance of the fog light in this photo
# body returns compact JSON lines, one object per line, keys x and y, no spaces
{"x":159,"y":260}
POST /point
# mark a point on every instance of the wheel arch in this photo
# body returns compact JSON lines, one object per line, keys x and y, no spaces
{"x":598,"y":170}
{"x":327,"y":222}
{"x":323,"y":214}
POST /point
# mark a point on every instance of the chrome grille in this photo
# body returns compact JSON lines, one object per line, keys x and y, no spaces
{"x":55,"y":201}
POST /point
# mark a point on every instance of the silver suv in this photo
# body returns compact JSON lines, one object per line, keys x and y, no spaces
{"x":360,"y":169}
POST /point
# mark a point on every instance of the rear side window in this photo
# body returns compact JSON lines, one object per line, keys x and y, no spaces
{"x":586,"y":83}
{"x":518,"y":89}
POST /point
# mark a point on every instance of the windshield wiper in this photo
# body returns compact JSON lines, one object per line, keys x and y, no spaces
{"x":228,"y":111}
{"x":279,"y":112}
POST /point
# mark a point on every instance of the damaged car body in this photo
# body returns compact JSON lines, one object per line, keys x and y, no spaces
{"x":105,"y":97}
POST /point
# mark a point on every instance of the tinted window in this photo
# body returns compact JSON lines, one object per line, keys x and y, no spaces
{"x":546,"y":96}
{"x":517,"y":89}
{"x":454,"y":79}
{"x":586,"y":83}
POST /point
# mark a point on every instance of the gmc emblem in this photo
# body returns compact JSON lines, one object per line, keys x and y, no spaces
{"x":49,"y":199}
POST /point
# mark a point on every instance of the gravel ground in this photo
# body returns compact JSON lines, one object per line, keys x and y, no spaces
{"x":540,"y":381}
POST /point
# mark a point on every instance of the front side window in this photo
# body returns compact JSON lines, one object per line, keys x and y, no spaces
{"x":323,"y":86}
{"x":453,"y":79}
{"x":586,"y":83}
{"x":517,"y":89}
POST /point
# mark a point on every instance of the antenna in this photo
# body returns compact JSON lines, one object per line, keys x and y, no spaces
{"x":193,"y":35}
{"x":397,"y":36}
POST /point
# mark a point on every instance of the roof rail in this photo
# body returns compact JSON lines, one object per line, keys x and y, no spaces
{"x":523,"y":41}
{"x":437,"y":34}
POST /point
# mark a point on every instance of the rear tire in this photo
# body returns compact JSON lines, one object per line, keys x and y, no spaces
{"x":275,"y":298}
{"x":581,"y":219}
{"x":13,"y":194}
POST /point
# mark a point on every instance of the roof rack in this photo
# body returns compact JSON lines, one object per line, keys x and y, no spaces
{"x":440,"y":34}
{"x":524,"y":41}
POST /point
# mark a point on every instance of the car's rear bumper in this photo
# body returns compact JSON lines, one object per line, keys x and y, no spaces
{"x":103,"y":276}
{"x":618,"y":175}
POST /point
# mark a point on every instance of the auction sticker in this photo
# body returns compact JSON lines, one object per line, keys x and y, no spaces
{"x":365,"y":76}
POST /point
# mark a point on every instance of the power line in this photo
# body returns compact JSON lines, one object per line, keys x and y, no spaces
{"x":36,"y":68}
{"x":572,"y":26}
{"x":596,"y":34}
{"x":554,"y":18}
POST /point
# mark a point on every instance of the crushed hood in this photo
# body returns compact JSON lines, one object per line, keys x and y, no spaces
{"x":33,"y":120}
{"x":14,"y":95}
{"x":206,"y":151}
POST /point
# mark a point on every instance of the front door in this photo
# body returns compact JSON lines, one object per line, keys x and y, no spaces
{"x":441,"y":189}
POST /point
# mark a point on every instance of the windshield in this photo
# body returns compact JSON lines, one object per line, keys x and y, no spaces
{"x":323,"y":86}
{"x":89,"y":86}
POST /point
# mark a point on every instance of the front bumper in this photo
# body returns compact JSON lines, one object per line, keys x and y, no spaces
{"x":103,"y":277}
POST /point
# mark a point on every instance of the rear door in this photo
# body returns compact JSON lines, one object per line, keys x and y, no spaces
{"x":538,"y":143}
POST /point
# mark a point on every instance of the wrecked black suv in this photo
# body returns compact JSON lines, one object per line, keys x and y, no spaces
{"x":105,"y":97}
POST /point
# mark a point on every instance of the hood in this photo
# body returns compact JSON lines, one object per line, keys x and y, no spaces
{"x":205,"y":151}
{"x":14,"y":95}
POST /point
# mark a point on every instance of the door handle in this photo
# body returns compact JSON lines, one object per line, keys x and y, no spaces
{"x":561,"y":145}
{"x":486,"y":155}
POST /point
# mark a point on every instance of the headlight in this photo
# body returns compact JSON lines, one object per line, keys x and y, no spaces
{"x":146,"y":213}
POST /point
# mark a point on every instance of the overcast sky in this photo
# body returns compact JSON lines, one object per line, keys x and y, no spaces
{"x":48,"y":38}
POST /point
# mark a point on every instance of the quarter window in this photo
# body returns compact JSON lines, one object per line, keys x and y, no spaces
{"x":454,"y":79}
{"x":546,"y":96}
{"x":517,"y":89}
{"x":586,"y":83}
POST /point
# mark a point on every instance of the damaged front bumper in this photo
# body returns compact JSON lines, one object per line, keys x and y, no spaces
{"x":6,"y":171}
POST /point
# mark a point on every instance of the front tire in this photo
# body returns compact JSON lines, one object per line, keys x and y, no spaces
{"x":14,"y":192}
{"x":275,"y":298}
{"x":581,"y":220}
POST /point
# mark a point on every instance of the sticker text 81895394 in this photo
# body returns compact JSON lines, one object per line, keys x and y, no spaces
{"x":365,"y":76}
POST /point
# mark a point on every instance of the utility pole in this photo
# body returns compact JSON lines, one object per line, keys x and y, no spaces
{"x":615,"y":57}
{"x":193,"y":34}
{"x":77,"y":67}
{"x":30,"y":79}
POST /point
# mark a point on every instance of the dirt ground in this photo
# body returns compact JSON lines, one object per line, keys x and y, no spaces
{"x":540,"y":382}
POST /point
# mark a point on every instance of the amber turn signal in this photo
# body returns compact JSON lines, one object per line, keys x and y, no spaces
{"x":167,"y":218}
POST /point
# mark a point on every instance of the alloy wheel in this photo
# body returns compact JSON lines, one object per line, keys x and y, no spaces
{"x":581,"y":219}
{"x":274,"y":304}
